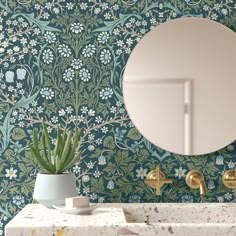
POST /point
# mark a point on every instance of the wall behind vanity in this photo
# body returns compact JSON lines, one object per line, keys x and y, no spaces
{"x":63,"y":61}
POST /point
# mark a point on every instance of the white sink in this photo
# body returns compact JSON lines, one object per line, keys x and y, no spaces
{"x":176,"y":213}
{"x":198,"y":219}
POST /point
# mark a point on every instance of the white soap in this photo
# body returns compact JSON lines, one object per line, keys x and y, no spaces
{"x":79,"y":202}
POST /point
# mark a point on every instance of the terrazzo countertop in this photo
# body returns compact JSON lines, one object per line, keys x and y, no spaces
{"x":148,"y":219}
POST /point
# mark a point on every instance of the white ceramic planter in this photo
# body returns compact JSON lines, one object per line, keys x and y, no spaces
{"x":52,"y":190}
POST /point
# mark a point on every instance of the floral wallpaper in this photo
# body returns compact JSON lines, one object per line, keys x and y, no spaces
{"x":62,"y":61}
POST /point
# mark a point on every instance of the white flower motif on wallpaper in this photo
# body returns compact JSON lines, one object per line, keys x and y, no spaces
{"x":76,"y":28}
{"x":76,"y":64}
{"x":106,"y":93}
{"x":105,"y":56}
{"x":89,"y":50}
{"x":47,"y":93}
{"x":103,"y":37}
{"x":11,"y":173}
{"x":50,"y":37}
{"x":180,"y":172}
{"x":64,"y":50}
{"x":84,"y":75}
{"x":68,"y":75}
{"x":48,"y":56}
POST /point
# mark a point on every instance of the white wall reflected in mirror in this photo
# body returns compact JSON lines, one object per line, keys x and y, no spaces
{"x":177,"y":94}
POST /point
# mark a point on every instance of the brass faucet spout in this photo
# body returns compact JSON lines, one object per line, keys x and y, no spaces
{"x":203,"y":188}
{"x":195,"y":180}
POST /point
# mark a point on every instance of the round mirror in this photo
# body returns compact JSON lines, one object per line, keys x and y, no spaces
{"x":179,"y":86}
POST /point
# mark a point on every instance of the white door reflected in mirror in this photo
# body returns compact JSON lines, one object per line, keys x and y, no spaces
{"x":179,"y":86}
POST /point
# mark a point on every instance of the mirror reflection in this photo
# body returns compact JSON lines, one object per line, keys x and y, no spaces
{"x":179,"y":86}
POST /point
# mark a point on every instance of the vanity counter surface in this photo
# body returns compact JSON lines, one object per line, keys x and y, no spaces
{"x":128,"y":219}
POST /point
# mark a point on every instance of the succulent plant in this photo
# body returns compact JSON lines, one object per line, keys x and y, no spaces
{"x":64,"y":155}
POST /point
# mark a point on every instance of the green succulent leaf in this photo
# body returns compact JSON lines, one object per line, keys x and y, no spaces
{"x":72,"y":162}
{"x":63,"y":156}
{"x":65,"y":152}
{"x":40,"y":160}
{"x":58,"y":142}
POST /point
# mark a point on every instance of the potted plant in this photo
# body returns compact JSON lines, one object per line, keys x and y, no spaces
{"x":53,"y":185}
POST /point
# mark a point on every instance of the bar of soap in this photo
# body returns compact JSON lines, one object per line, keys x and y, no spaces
{"x":79,"y":202}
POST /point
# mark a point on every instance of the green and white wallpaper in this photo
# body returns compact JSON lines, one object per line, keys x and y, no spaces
{"x":62,"y":61}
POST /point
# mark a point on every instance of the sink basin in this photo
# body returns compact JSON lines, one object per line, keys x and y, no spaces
{"x":176,"y":213}
{"x":162,"y":219}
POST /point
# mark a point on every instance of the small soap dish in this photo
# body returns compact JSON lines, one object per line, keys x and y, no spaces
{"x":77,"y":211}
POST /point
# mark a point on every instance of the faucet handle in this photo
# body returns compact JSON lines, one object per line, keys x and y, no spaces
{"x":229,"y":179}
{"x":156,"y":179}
{"x":195,"y":179}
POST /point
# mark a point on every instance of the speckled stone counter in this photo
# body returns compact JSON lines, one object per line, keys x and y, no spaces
{"x":148,"y":219}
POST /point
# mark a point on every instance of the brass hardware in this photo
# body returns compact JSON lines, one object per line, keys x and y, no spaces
{"x":229,"y":179}
{"x":195,"y":179}
{"x":156,"y":179}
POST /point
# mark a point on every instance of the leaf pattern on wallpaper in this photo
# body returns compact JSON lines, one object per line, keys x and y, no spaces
{"x":62,"y":62}
{"x":43,"y":25}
